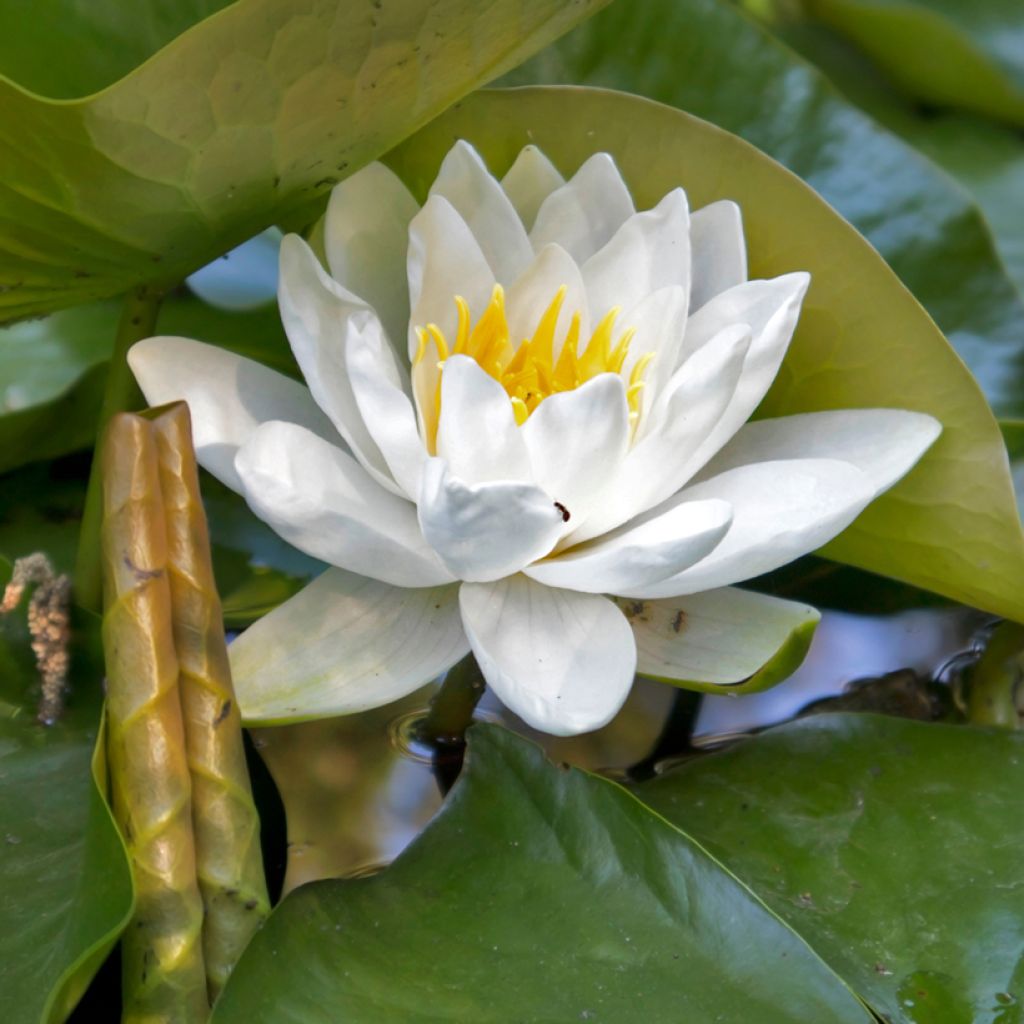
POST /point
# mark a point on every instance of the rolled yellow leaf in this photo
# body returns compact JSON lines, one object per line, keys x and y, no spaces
{"x":163,"y":974}
{"x":229,"y":862}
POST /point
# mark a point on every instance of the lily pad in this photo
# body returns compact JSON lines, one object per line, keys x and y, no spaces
{"x":709,"y":58}
{"x":67,"y":891}
{"x":225,"y":130}
{"x":863,"y":340}
{"x":892,"y":847}
{"x":535,"y":895}
{"x":969,"y":56}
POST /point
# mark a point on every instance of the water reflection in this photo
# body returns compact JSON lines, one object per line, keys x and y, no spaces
{"x":357,"y":790}
{"x":847,"y":647}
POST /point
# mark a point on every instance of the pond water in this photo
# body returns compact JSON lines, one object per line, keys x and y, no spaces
{"x":357,"y":790}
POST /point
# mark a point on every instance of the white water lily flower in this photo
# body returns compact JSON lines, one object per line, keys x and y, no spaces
{"x":524,"y":434}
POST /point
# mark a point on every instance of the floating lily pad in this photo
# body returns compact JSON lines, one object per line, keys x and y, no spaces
{"x":223,"y":131}
{"x":67,"y":890}
{"x":892,"y":847}
{"x":536,"y":895}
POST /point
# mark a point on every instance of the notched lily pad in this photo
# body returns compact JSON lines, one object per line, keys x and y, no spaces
{"x":891,"y":846}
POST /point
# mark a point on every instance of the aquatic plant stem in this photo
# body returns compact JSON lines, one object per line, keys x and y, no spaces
{"x":996,"y":692}
{"x":138,"y":321}
{"x":449,"y":716}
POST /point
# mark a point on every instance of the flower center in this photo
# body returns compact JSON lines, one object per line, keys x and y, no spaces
{"x":532,"y":371}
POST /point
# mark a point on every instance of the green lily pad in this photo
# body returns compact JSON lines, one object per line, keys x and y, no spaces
{"x":863,"y":341}
{"x":892,"y":847}
{"x":535,"y":895}
{"x":67,"y":891}
{"x":968,"y":56}
{"x":226,"y":129}
{"x":709,"y":58}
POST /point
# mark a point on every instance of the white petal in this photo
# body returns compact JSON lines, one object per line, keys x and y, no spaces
{"x":781,"y":510}
{"x":321,"y":501}
{"x":563,"y":662}
{"x":883,"y":443}
{"x":244,"y":278}
{"x":721,"y":637}
{"x":529,"y":181}
{"x":534,"y":291}
{"x":488,"y":212}
{"x":344,"y":644}
{"x":659,"y":323}
{"x":585,"y":212}
{"x":577,"y":440}
{"x":686,"y":411}
{"x":636,"y":556}
{"x":649,"y":251}
{"x":771,"y":309}
{"x":319,"y":316}
{"x":485,"y":531}
{"x":366,"y":235}
{"x":477,"y":434}
{"x":718,"y":251}
{"x":381,"y":392}
{"x":445,"y":260}
{"x":228,"y":397}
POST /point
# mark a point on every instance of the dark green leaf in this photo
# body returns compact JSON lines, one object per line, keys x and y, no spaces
{"x":893,"y":847}
{"x":947,"y":52}
{"x":67,"y":890}
{"x":537,"y":895}
{"x":708,"y":58}
{"x":225,"y":130}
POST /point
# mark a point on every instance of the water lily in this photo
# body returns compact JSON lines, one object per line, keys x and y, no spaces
{"x":525,"y":433}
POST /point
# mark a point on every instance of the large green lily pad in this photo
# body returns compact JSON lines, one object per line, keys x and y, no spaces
{"x":892,"y":846}
{"x":709,"y":58}
{"x":223,"y":131}
{"x":863,"y":341}
{"x":537,"y":895}
{"x":67,"y":890}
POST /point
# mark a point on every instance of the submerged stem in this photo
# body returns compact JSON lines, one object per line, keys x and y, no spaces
{"x":138,"y":320}
{"x":449,"y":716}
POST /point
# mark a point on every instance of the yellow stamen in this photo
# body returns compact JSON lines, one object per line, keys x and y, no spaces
{"x":529,"y":371}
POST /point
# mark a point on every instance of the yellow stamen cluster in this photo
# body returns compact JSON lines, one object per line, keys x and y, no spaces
{"x":531,"y":372}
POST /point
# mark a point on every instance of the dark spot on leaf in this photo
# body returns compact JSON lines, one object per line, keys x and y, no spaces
{"x":679,"y":621}
{"x":566,"y":514}
{"x":223,"y":713}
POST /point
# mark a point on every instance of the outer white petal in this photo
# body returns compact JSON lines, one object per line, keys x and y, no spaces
{"x":771,"y":309}
{"x":477,"y":434}
{"x":686,"y":411}
{"x":321,"y":501}
{"x":488,"y":212}
{"x":534,"y":291}
{"x":585,"y":212}
{"x":380,"y":389}
{"x":721,"y":637}
{"x":529,"y":181}
{"x":649,"y":251}
{"x":636,"y":556}
{"x":366,"y":235}
{"x":344,"y":644}
{"x":445,"y":260}
{"x":781,"y":510}
{"x":485,"y":531}
{"x":718,"y":250}
{"x":564,"y":662}
{"x":883,"y":443}
{"x":228,"y":397}
{"x":244,"y":278}
{"x":577,"y":440}
{"x":319,"y":316}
